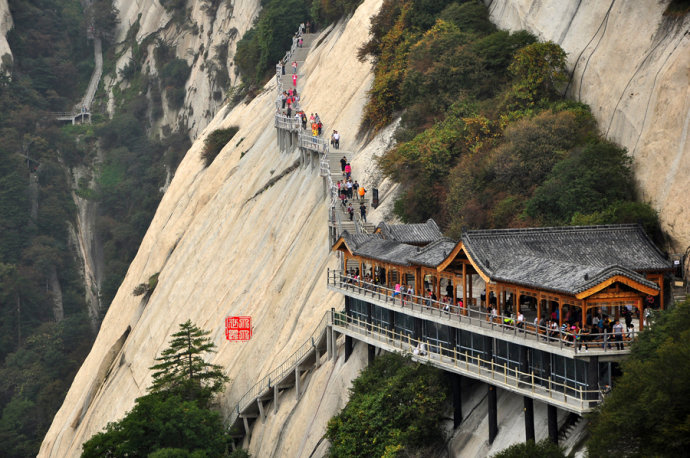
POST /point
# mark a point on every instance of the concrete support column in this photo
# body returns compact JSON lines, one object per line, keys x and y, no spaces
{"x":262,"y":413}
{"x":456,"y":381}
{"x":275,"y":399}
{"x":246,"y":426}
{"x":329,"y":342}
{"x":493,"y":414}
{"x":553,"y":423}
{"x":529,"y":418}
{"x":348,"y":347}
{"x":297,"y":377}
{"x":371,"y":353}
{"x":593,"y":379}
{"x":317,"y":358}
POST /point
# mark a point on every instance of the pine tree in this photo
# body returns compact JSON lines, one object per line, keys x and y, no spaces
{"x":181,"y":369}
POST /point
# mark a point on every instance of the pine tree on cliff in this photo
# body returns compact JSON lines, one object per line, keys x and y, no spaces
{"x":181,"y":369}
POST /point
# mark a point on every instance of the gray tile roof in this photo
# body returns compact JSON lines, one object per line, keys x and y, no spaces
{"x":386,"y":251}
{"x":414,"y":234}
{"x":559,"y":258}
{"x":434,"y":253}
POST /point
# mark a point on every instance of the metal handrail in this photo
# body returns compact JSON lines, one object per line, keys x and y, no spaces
{"x":278,"y":374}
{"x":485,"y":320}
{"x":487,"y":369}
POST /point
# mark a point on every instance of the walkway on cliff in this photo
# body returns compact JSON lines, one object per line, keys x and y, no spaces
{"x":82,"y":111}
{"x":292,"y":372}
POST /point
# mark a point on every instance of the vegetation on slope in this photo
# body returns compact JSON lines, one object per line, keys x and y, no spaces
{"x":648,"y":411}
{"x":485,"y":138}
{"x":39,"y":266}
{"x":395,"y":405}
{"x":265,"y":43}
{"x":176,"y":419}
{"x":39,"y":355}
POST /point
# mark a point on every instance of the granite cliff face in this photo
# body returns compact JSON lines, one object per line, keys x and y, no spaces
{"x":205,"y":38}
{"x":224,"y":245}
{"x":631,"y":64}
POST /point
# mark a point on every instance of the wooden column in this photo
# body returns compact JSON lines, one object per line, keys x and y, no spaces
{"x":641,"y":310}
{"x":661,"y":292}
{"x":470,"y":288}
{"x":464,"y":285}
{"x":560,"y":312}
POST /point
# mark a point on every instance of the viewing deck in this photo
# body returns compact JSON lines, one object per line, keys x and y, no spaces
{"x":474,"y":320}
{"x":564,"y":396}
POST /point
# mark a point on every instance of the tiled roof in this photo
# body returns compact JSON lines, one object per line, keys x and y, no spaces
{"x":386,"y":251}
{"x":434,"y":253}
{"x":414,"y":234}
{"x":559,"y":258}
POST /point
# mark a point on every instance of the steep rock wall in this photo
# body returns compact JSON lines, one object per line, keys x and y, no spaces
{"x":224,"y":249}
{"x":631,"y":64}
{"x":198,"y":40}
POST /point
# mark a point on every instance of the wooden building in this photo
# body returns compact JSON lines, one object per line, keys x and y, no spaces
{"x":569,"y":272}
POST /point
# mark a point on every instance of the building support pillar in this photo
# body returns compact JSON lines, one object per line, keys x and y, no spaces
{"x":553,"y":423}
{"x":246,"y":427}
{"x":297,"y":377}
{"x":456,"y":381}
{"x":529,"y":418}
{"x":275,"y":399}
{"x":329,"y":342}
{"x":593,"y":380}
{"x":262,"y":413}
{"x":371,"y":353}
{"x":493,"y":414}
{"x":348,"y":347}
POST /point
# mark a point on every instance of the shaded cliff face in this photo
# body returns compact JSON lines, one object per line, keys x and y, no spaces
{"x":223,"y":248}
{"x":203,"y":39}
{"x":632,"y":66}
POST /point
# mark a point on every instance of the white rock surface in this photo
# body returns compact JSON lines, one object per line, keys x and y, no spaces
{"x":632,"y":66}
{"x":221,"y":251}
{"x":195,"y":41}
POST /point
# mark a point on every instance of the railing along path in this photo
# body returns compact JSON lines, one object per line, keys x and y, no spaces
{"x":470,"y":317}
{"x":573,"y":398}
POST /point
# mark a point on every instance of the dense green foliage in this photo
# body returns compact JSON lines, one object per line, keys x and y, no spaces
{"x":394,"y":405}
{"x":265,"y":43}
{"x":215,"y":142}
{"x":485,"y":138}
{"x":181,"y":369}
{"x":175,"y":419}
{"x":529,"y":449}
{"x":39,"y":355}
{"x":159,"y":421}
{"x":39,"y":265}
{"x":648,"y":411}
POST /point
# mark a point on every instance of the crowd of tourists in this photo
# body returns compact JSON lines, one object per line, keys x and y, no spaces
{"x":348,"y":190}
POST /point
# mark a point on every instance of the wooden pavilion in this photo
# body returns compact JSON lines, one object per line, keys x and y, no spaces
{"x":568,"y":272}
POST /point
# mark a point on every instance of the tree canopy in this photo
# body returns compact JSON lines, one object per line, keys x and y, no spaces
{"x":175,"y":419}
{"x":394,"y":405}
{"x":181,"y":369}
{"x":648,"y":411}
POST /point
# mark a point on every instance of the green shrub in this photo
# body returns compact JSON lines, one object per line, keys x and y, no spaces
{"x":215,"y":141}
{"x":175,"y":73}
{"x":394,"y":405}
{"x":529,"y":449}
{"x":266,"y":42}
